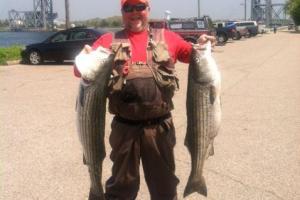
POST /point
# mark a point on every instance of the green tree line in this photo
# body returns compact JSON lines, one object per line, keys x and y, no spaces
{"x":4,"y":23}
{"x":115,"y":21}
{"x":293,"y":8}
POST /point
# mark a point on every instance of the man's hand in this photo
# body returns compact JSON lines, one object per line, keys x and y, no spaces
{"x":89,"y":61}
{"x":205,"y":38}
{"x":86,"y":49}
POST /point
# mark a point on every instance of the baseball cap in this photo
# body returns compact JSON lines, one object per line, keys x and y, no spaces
{"x":134,"y":1}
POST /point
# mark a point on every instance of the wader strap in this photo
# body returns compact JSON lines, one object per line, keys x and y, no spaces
{"x":155,"y":35}
{"x":120,"y":41}
{"x":120,"y":36}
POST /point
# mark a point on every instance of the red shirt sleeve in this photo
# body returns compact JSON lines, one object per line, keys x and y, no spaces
{"x":179,"y":49}
{"x":104,"y":41}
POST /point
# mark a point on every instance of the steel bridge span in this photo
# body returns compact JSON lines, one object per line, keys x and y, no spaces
{"x":268,"y":13}
{"x":41,"y":18}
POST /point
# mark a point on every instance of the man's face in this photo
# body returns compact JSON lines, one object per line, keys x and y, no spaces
{"x":135,"y":16}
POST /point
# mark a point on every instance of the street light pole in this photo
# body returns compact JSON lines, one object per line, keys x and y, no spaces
{"x":198,"y":8}
{"x":245,"y":9}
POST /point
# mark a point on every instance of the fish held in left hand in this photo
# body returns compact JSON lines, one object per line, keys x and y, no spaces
{"x":91,"y":110}
{"x":203,"y":114}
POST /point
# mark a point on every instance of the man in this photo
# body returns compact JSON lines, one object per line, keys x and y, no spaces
{"x":140,"y":97}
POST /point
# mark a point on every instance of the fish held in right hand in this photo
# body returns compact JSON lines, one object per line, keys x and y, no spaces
{"x":203,"y":114}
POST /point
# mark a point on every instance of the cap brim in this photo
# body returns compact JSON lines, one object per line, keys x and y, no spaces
{"x":134,"y":1}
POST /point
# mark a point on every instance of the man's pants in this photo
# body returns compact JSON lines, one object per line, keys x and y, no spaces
{"x":153,"y":144}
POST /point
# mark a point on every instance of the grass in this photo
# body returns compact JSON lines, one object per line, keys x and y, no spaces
{"x":10,"y":53}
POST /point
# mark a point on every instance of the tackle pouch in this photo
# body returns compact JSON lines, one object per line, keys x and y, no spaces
{"x":160,"y":52}
{"x":122,"y":55}
{"x":163,"y":72}
{"x":165,"y":78}
{"x":121,"y":51}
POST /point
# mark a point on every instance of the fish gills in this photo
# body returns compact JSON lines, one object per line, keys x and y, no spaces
{"x":203,"y":114}
{"x":91,"y":110}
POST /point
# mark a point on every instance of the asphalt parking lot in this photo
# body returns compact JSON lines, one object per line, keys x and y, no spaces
{"x":256,"y":151}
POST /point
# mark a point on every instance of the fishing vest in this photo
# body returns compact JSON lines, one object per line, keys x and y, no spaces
{"x":138,"y":90}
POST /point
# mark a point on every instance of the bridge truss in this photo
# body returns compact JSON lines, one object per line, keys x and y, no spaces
{"x":269,"y":13}
{"x":41,"y":18}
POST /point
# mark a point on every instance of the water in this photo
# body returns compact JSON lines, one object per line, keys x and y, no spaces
{"x":22,"y":38}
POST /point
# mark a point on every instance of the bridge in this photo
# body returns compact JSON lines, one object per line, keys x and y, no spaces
{"x":269,"y":13}
{"x":41,"y":18}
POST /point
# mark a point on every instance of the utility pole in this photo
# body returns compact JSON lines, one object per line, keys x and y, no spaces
{"x":245,"y":9}
{"x":198,"y":8}
{"x":67,"y":14}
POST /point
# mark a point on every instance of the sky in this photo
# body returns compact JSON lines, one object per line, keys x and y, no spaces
{"x":87,"y":9}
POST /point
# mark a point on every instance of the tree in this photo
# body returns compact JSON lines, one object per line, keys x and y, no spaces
{"x":104,"y":23}
{"x":4,"y":23}
{"x":116,"y":24}
{"x":293,"y":7}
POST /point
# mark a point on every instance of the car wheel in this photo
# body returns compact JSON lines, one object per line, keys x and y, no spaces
{"x":35,"y":57}
{"x":222,"y":39}
{"x":237,"y":36}
{"x":248,"y":34}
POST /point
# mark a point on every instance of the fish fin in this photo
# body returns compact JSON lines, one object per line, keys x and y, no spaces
{"x":212,"y":94}
{"x":81,"y":95}
{"x":195,"y":185}
{"x":84,"y":160}
{"x":210,"y":150}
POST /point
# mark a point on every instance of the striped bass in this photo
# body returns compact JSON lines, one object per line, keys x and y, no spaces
{"x":91,"y":110}
{"x":203,"y":114}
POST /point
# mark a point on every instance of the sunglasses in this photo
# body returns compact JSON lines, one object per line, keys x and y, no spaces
{"x":138,"y":7}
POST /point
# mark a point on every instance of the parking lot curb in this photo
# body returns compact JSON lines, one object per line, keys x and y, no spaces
{"x":13,"y":62}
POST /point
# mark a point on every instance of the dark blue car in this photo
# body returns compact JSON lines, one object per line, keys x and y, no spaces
{"x":61,"y":46}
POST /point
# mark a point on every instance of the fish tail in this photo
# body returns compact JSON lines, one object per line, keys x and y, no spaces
{"x":195,"y":184}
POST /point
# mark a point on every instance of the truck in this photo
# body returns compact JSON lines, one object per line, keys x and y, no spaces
{"x":190,"y":29}
{"x":224,"y":32}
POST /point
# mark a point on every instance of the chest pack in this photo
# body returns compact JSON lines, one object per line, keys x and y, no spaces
{"x":142,"y":90}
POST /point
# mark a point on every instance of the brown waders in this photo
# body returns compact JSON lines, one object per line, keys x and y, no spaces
{"x":141,"y":99}
{"x":153,"y":143}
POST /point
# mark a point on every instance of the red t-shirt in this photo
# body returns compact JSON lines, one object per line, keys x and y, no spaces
{"x":179,"y":49}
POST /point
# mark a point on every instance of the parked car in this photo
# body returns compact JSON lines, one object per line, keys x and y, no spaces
{"x":262,"y":28}
{"x":250,"y":25}
{"x":224,"y":32}
{"x":291,"y":26}
{"x":189,"y":29}
{"x":242,"y":31}
{"x":63,"y":45}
